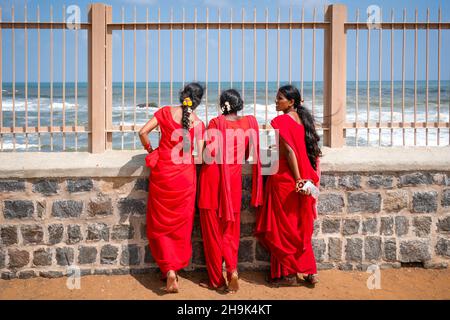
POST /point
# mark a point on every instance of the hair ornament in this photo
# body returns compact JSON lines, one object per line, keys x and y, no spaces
{"x":187,"y":102}
{"x":227,"y":106}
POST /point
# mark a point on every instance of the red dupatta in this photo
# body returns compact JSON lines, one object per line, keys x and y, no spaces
{"x":257,"y":183}
{"x":293,"y":134}
{"x":209,"y":188}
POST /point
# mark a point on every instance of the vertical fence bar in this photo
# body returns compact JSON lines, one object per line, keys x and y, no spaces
{"x":314,"y":64}
{"x":76,"y":89}
{"x":108,"y":79}
{"x":334,"y":75}
{"x":146,"y":63}
{"x":26,"y":79}
{"x":278,"y":47}
{"x":403,"y":75}
{"x":278,"y":50}
{"x":380,"y":54}
{"x":427,"y":55}
{"x":159,"y":57}
{"x":368,"y":86}
{"x":171,"y":56}
{"x":267,"y":68}
{"x":439,"y":77}
{"x":219,"y":80}
{"x":183,"y":62}
{"x":123,"y":79}
{"x":195,"y":44}
{"x":243,"y":60}
{"x":301,"y":51}
{"x":134,"y":80}
{"x":97,"y":83}
{"x":415,"y":80}
{"x":13,"y":40}
{"x":231,"y":47}
{"x":357,"y":80}
{"x":254,"y":62}
{"x":392,"y":77}
{"x":39,"y":80}
{"x":51,"y":79}
{"x":1,"y":83}
{"x":64,"y":83}
{"x":206,"y":66}
{"x":290,"y":45}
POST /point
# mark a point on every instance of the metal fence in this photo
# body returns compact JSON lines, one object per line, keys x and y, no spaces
{"x":408,"y":116}
{"x":112,"y":110}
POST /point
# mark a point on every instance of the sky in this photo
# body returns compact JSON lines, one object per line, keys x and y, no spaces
{"x":235,"y":73}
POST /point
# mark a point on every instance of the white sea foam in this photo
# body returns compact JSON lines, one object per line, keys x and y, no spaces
{"x":32,"y":105}
{"x":19,"y":146}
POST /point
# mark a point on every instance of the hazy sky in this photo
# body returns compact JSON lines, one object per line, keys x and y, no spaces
{"x":225,"y":6}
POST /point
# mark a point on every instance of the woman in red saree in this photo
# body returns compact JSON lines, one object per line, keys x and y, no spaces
{"x":231,"y":139}
{"x":172,"y":185}
{"x":285,"y":222}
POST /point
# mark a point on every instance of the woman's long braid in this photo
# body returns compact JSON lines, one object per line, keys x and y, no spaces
{"x":185,"y":120}
{"x":311,"y":136}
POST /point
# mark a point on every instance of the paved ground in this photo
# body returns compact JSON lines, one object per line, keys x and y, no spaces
{"x":405,"y":283}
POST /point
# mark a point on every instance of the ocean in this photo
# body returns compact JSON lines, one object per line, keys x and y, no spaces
{"x":124,"y":112}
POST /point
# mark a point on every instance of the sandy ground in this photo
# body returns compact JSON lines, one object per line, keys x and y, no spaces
{"x":405,"y":283}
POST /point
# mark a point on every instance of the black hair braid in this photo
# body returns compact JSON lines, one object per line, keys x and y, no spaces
{"x":235,"y":102}
{"x":311,"y":137}
{"x":185,"y":118}
{"x":193,"y":91}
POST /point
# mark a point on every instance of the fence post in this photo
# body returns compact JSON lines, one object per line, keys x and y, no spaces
{"x":109,"y":88}
{"x":335,"y":75}
{"x":97,"y":78}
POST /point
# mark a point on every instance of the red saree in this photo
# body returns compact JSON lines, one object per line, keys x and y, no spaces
{"x":171,"y":198}
{"x":285,"y":222}
{"x":220,"y":194}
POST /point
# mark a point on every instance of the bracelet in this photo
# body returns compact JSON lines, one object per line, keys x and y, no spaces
{"x":148,"y":147}
{"x":299,"y":183}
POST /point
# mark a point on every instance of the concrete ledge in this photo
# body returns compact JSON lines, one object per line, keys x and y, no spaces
{"x":377,"y":159}
{"x":131,"y":163}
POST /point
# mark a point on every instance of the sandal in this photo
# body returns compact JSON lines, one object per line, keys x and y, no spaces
{"x":287,"y":281}
{"x":172,"y":278}
{"x":272,"y":282}
{"x":233,"y":284}
{"x":311,"y":279}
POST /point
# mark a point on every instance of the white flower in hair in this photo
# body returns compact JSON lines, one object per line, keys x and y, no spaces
{"x":227,"y":106}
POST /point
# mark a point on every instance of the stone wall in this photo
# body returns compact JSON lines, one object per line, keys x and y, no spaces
{"x":98,"y":224}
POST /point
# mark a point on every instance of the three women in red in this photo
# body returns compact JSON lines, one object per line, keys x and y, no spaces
{"x":173,"y":183}
{"x":230,"y":140}
{"x":285,"y":223}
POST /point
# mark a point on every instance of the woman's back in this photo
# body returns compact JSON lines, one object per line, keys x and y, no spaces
{"x":168,"y":125}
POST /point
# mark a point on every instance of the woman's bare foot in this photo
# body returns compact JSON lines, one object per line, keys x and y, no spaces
{"x":172,"y":282}
{"x":233,"y":284}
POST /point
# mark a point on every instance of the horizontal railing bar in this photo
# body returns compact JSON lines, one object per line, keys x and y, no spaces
{"x":132,"y":128}
{"x":227,"y":25}
{"x":216,"y":25}
{"x":381,"y":125}
{"x":40,"y":25}
{"x":399,"y":25}
{"x":44,"y":129}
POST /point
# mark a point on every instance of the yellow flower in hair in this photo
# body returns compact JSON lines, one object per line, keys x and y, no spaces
{"x":187,"y":102}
